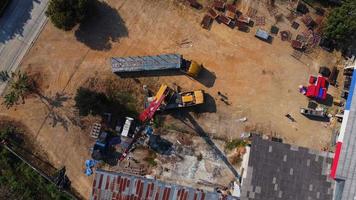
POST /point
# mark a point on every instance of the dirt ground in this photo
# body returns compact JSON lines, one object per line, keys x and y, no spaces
{"x":260,"y":80}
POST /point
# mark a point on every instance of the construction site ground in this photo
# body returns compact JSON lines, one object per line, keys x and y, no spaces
{"x":259,"y":79}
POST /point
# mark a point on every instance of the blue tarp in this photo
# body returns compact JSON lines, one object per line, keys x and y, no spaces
{"x":89,"y":164}
{"x":149,"y":130}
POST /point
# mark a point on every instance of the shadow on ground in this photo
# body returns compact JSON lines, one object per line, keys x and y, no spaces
{"x":190,"y":122}
{"x":154,"y":73}
{"x":209,"y":105}
{"x":160,"y":145}
{"x":102,"y":28}
{"x":328,"y":101}
{"x":13,"y":20}
{"x":321,"y":119}
{"x":206,"y":77}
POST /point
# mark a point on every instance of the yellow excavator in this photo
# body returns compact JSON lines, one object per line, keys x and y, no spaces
{"x":173,"y":99}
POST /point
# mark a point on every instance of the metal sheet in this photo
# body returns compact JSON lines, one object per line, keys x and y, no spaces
{"x":111,"y":185}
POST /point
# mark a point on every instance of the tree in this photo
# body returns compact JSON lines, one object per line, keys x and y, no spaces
{"x":65,"y":14}
{"x":341,"y":24}
{"x":19,"y":86}
{"x":90,"y":102}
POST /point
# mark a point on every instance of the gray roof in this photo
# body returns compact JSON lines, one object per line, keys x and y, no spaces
{"x":146,"y":63}
{"x":281,"y":171}
{"x":111,"y":185}
{"x":346,"y":169}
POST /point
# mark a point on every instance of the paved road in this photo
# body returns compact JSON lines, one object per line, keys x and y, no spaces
{"x":20,"y":25}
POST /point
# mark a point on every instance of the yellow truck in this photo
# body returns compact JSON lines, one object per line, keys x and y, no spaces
{"x":177,"y":99}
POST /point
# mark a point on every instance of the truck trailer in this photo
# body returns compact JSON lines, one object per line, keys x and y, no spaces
{"x":150,"y":64}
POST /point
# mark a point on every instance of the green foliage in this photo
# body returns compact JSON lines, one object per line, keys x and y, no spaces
{"x":20,"y":85}
{"x":319,"y":3}
{"x":150,"y":159}
{"x":96,"y":103}
{"x":23,"y":182}
{"x":17,"y":179}
{"x":6,"y":132}
{"x":89,"y":102}
{"x":157,"y":121}
{"x":235,"y":143}
{"x":65,"y":14}
{"x":341,"y":24}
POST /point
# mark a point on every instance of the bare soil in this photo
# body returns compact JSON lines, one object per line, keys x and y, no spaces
{"x":259,"y":79}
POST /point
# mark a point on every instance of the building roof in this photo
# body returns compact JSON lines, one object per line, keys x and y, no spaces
{"x":146,"y":63}
{"x":281,"y":171}
{"x":345,"y":164}
{"x":111,"y":185}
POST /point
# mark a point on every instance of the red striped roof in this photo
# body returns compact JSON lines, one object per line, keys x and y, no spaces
{"x":117,"y":186}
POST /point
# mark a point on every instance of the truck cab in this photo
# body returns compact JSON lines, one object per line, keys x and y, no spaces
{"x":191,"y":68}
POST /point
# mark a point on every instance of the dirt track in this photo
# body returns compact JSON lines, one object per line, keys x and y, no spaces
{"x":260,"y":80}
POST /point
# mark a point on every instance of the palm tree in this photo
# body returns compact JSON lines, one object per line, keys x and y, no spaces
{"x":4,"y":76}
{"x":19,"y":85}
{"x":10,"y":99}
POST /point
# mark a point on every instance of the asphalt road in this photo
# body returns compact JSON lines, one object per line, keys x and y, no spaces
{"x":20,"y":25}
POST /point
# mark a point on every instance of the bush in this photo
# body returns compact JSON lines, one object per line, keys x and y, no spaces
{"x":6,"y":132}
{"x":65,"y":14}
{"x":17,"y":179}
{"x":97,"y":103}
{"x":150,"y":159}
{"x":89,"y":102}
{"x":235,"y":143}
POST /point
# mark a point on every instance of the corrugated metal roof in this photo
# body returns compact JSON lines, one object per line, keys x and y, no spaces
{"x":111,"y":185}
{"x":146,"y":63}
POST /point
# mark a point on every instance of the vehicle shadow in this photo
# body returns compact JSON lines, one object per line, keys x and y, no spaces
{"x":321,"y":119}
{"x":14,"y":18}
{"x":190,"y":122}
{"x":150,"y":73}
{"x":102,"y":28}
{"x":160,"y":145}
{"x":328,"y":101}
{"x":206,"y":77}
{"x":209,"y":105}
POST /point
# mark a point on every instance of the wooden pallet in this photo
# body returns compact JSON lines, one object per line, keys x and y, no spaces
{"x":260,"y":21}
{"x":297,"y":54}
{"x":251,"y":12}
{"x":95,"y":130}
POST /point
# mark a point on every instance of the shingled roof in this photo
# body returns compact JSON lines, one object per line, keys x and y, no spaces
{"x":281,"y":171}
